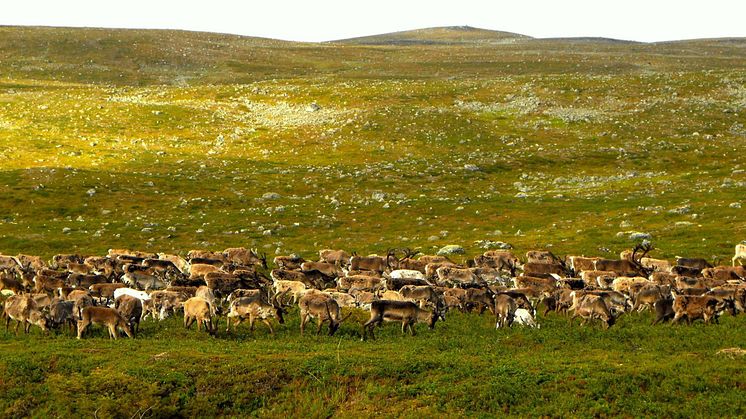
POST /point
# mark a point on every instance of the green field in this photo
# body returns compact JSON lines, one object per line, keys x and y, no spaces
{"x":171,"y":141}
{"x":464,"y":366}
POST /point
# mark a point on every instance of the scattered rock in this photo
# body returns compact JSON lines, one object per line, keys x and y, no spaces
{"x":489,"y":244}
{"x":451,"y":249}
{"x":271,"y":195}
{"x":91,"y":192}
{"x":433,"y":238}
{"x":640,"y":236}
{"x":684,"y":209}
{"x":471,"y":167}
{"x":313,"y":107}
{"x":378,"y":196}
{"x":735,"y":205}
{"x":66,"y":230}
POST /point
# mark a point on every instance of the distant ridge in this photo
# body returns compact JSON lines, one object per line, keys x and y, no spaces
{"x":447,"y":35}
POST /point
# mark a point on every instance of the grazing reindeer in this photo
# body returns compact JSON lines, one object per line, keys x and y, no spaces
{"x":104,"y":316}
{"x":200,"y":310}
{"x":322,"y":307}
{"x":406,"y":312}
{"x":255,"y":307}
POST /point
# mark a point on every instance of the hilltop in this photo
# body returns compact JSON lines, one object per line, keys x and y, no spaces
{"x":449,"y":35}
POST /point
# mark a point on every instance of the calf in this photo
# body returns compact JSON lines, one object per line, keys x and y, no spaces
{"x":360,"y":282}
{"x":523,"y":317}
{"x":131,"y":309}
{"x":591,"y":307}
{"x":691,"y":308}
{"x":200,"y":310}
{"x":649,"y":295}
{"x":85,"y":280}
{"x":105,"y":291}
{"x":663,"y":310}
{"x":504,"y":311}
{"x":61,"y":312}
{"x":422,"y":295}
{"x":103,"y":316}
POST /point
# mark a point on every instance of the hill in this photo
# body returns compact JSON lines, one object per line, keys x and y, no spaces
{"x":450,"y":35}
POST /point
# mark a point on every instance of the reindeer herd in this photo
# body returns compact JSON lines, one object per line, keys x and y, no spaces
{"x":120,"y":289}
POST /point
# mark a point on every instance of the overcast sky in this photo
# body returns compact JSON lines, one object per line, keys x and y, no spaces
{"x":323,"y":20}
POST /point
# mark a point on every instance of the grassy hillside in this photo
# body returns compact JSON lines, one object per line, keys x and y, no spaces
{"x":171,"y":141}
{"x":168,"y":140}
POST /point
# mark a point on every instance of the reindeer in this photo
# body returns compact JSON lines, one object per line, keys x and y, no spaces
{"x":627,"y":267}
{"x":334,"y":257}
{"x":104,"y":316}
{"x":740,"y":254}
{"x":256,"y":308}
{"x":372,"y":263}
{"x":406,"y":312}
{"x":200,"y":310}
{"x":322,"y":307}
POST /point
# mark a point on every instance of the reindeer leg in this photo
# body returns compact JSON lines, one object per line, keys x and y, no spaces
{"x":269,"y":324}
{"x":303,"y":321}
{"x":320,"y":323}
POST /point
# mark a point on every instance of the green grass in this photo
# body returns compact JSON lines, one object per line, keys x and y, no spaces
{"x":182,"y":133}
{"x":462,"y":367}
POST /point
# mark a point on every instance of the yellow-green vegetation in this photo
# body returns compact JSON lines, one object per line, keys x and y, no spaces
{"x":464,"y":366}
{"x":171,"y":141}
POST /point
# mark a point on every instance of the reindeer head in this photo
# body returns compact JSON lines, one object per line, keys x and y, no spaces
{"x":279,"y":307}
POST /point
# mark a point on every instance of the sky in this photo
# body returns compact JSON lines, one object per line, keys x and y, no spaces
{"x":325,"y":20}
